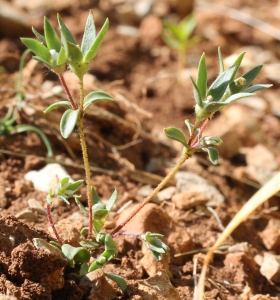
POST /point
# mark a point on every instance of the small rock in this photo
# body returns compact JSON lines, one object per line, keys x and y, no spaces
{"x":189,"y":182}
{"x":154,"y":219}
{"x":100,"y":287}
{"x":68,"y":231}
{"x":271,"y":235}
{"x":27,"y":215}
{"x":152,"y":265}
{"x":270,"y":267}
{"x":47,"y":177}
{"x":166,"y":194}
{"x":33,"y":162}
{"x":157,"y":287}
{"x":35,"y":205}
{"x":189,"y":199}
{"x":142,"y":8}
{"x":21,"y":187}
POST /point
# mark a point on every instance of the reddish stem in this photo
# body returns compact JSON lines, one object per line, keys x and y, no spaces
{"x":193,"y":133}
{"x":67,"y":92}
{"x":52,"y":224}
{"x":124,"y":233}
{"x":202,"y":128}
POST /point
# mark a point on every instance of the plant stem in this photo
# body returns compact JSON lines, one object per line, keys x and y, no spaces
{"x":202,"y":128}
{"x":85,"y":156}
{"x":185,"y":155}
{"x":67,"y":92}
{"x":196,"y":124}
{"x":52,"y":224}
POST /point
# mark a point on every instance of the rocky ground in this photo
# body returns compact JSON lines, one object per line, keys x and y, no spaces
{"x":128,"y":151}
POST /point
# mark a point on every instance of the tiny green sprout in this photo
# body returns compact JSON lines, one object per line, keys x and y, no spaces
{"x":178,"y":37}
{"x":154,"y":244}
{"x":64,"y":190}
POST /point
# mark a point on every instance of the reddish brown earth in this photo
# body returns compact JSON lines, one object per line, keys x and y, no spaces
{"x":139,"y":72}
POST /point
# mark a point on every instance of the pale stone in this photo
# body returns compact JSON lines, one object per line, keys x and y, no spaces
{"x":270,"y":267}
{"x":35,"y":205}
{"x":271,"y":235}
{"x":27,"y":215}
{"x":188,"y":200}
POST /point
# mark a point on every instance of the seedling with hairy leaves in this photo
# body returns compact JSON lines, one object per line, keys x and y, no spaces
{"x":57,"y":54}
{"x":178,"y":37}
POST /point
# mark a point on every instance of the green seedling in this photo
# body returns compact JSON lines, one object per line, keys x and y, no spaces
{"x":178,"y":37}
{"x":7,"y":123}
{"x":57,"y":55}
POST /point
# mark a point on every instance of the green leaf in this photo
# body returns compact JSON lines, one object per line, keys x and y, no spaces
{"x":68,"y":122}
{"x":37,"y":48}
{"x":74,"y":53}
{"x":170,"y":40}
{"x":75,"y":185}
{"x":237,"y":63}
{"x":46,"y":63}
{"x":81,"y":207}
{"x":172,"y":30}
{"x":62,"y":57}
{"x":89,"y":34}
{"x":221,"y":62}
{"x":92,"y":51}
{"x":257,"y":87}
{"x":89,"y":244}
{"x":176,"y":134}
{"x":75,"y":254}
{"x":118,"y":280}
{"x":190,"y":128}
{"x":187,"y":26}
{"x":219,"y":86}
{"x":65,"y":32}
{"x":236,"y":97}
{"x":94,"y":197}
{"x":97,"y":226}
{"x":57,"y":104}
{"x":251,"y":75}
{"x":201,"y":81}
{"x":83,"y":269}
{"x":213,"y":154}
{"x":51,"y":37}
{"x":112,"y":200}
{"x":197,"y":95}
{"x":39,"y":36}
{"x":95,"y":97}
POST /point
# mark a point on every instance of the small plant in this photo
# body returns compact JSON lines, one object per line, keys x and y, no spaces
{"x":7,"y":123}
{"x":57,"y":54}
{"x":178,"y":37}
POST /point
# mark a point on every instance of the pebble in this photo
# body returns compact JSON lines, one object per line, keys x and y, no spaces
{"x":145,"y":191}
{"x":35,"y":205}
{"x":271,"y":235}
{"x":27,"y":215}
{"x":32,"y":162}
{"x":270,"y":267}
{"x":189,"y":199}
{"x":166,"y":194}
{"x":190,"y":182}
{"x":47,"y":177}
{"x":21,"y":187}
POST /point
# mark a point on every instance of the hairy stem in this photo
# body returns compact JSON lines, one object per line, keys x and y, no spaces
{"x":196,"y":124}
{"x":52,"y":224}
{"x":185,"y":155}
{"x":202,"y":128}
{"x":67,"y":92}
{"x":85,"y":156}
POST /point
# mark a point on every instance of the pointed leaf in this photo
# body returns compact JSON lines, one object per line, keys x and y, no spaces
{"x":219,"y":86}
{"x":236,"y":97}
{"x":213,"y":154}
{"x":201,"y":81}
{"x":112,"y":200}
{"x":118,"y":280}
{"x":94,"y":97}
{"x":237,"y":63}
{"x":171,"y":41}
{"x":75,"y":185}
{"x":65,"y":32}
{"x":221,"y":62}
{"x":196,"y":93}
{"x":62,"y":57}
{"x":186,"y":27}
{"x":51,"y":37}
{"x":94,"y":197}
{"x":57,"y":104}
{"x":37,"y":48}
{"x":68,"y":122}
{"x":176,"y":134}
{"x":251,"y":75}
{"x":97,"y":226}
{"x":257,"y":87}
{"x":81,"y":207}
{"x":190,"y":128}
{"x":46,"y":63}
{"x":89,"y":34}
{"x":92,"y":51}
{"x":39,"y":36}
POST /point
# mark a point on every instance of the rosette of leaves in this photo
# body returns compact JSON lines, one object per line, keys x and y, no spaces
{"x":223,"y":91}
{"x":154,"y":244}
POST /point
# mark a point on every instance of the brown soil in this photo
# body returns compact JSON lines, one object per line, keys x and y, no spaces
{"x":139,"y":72}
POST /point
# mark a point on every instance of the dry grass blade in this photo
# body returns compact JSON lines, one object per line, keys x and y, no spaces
{"x":269,"y":189}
